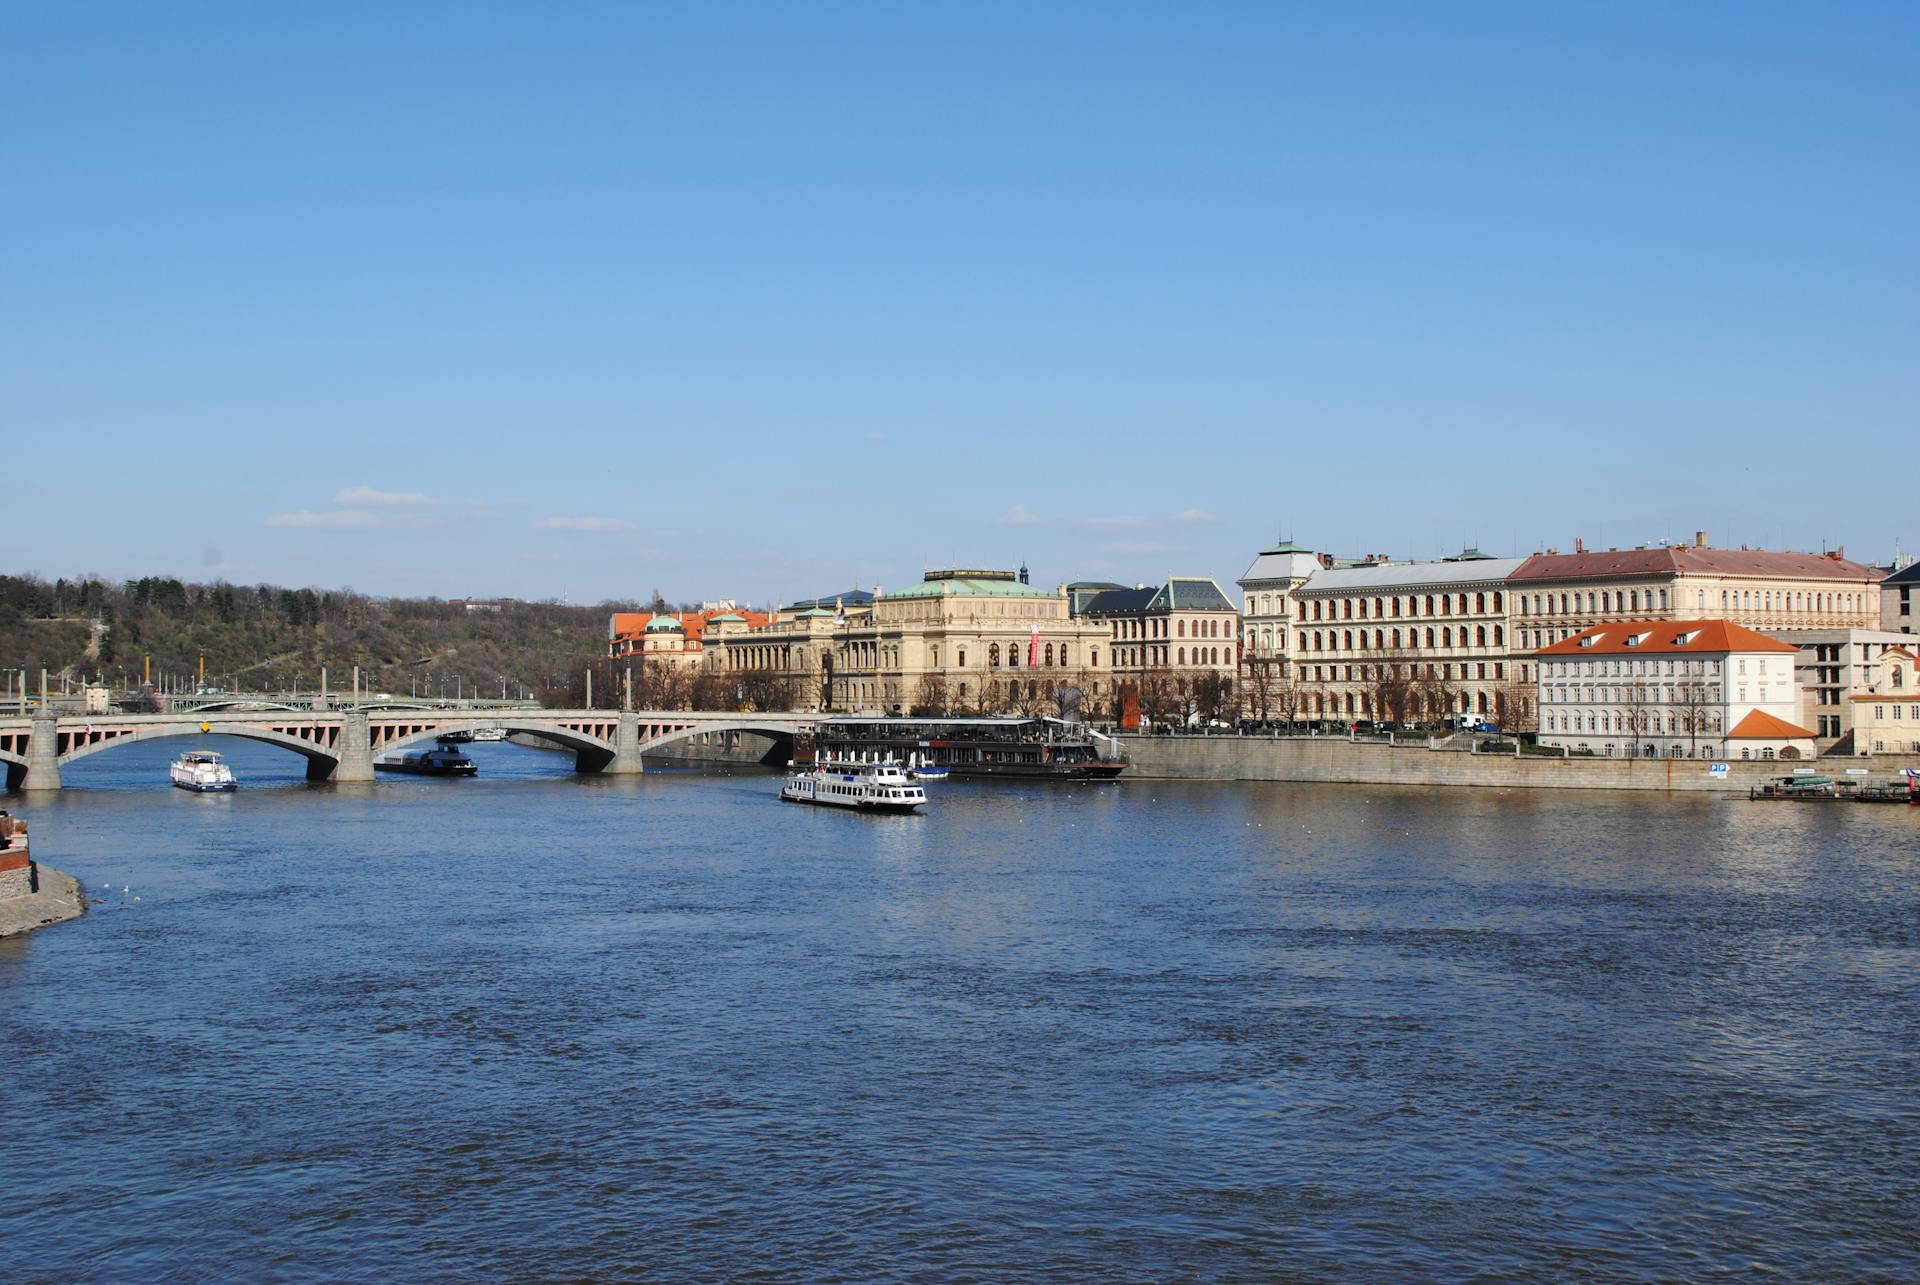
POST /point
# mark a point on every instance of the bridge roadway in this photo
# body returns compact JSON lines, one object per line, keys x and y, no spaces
{"x":341,"y":745}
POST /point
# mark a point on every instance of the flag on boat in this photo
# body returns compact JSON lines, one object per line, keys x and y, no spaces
{"x":1033,"y":648}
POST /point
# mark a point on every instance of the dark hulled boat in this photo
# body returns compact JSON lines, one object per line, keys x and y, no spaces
{"x":442,"y":760}
{"x":1045,"y":749}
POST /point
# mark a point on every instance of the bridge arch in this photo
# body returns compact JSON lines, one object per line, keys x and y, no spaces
{"x":321,"y":759}
{"x":776,"y":732}
{"x":16,"y":770}
{"x":591,"y":751}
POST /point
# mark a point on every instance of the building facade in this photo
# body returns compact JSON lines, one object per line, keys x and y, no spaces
{"x":1887,"y":715}
{"x":972,"y":641}
{"x":1833,"y":667}
{"x":1900,"y":599}
{"x":1409,"y":642}
{"x":1163,"y":639}
{"x":1706,"y":689}
{"x":1266,"y":602}
{"x":1557,"y":595}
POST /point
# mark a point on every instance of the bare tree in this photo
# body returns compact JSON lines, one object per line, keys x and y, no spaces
{"x":931,"y":697}
{"x":1263,"y":677}
{"x":1693,"y":707}
{"x":1635,"y":713}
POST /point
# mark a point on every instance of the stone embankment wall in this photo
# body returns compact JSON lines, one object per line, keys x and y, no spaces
{"x":16,"y":875}
{"x":1332,"y":759}
{"x":53,"y":898}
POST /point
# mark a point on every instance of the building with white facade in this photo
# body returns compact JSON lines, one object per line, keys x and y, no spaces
{"x":1886,"y":716}
{"x":1409,"y":642}
{"x":1266,"y":600}
{"x":1672,"y":689}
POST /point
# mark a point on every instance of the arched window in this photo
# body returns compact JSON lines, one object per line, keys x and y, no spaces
{"x":1348,"y":640}
{"x":1446,"y":636}
{"x":1180,"y":628}
{"x":1496,"y":602}
{"x":993,"y":655}
{"x":1899,"y":679}
{"x":1479,"y":602}
{"x":1049,"y":653}
{"x":1499,"y":636}
{"x":1396,"y":638}
{"x":1429,"y":635}
{"x":1379,"y":640}
{"x":1480,"y":636}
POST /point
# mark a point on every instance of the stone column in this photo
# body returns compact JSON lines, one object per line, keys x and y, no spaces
{"x":43,"y":756}
{"x":626,"y":747}
{"x":356,"y":748}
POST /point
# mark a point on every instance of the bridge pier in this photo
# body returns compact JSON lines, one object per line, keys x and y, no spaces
{"x":43,"y":756}
{"x":626,"y":747}
{"x":355,"y":748}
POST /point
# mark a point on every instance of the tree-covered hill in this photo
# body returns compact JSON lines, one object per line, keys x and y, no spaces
{"x":261,"y":637}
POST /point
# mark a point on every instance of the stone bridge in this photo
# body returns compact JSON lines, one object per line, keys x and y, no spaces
{"x":341,"y":745}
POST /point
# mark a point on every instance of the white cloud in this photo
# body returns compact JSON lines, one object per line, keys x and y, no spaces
{"x":584,"y":524}
{"x":1194,"y":515}
{"x":368,"y":497}
{"x":1018,"y":515}
{"x":333,"y":519}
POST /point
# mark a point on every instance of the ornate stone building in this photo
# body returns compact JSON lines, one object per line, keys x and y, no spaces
{"x":972,"y":641}
{"x":1168,"y":636}
{"x":1408,"y":642}
{"x":1266,"y":602}
{"x":1556,"y":595}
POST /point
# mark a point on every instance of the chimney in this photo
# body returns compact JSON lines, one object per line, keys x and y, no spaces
{"x":1699,"y":539}
{"x":1023,"y":573}
{"x":1579,"y":545}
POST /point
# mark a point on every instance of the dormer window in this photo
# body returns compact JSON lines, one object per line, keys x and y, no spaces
{"x":1635,"y":640}
{"x":1686,"y":639}
{"x":1590,"y":640}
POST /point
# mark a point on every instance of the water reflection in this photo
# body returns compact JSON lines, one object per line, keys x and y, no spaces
{"x":535,"y":1024}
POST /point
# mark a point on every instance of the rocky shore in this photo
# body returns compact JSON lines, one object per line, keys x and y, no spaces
{"x":56,"y":898}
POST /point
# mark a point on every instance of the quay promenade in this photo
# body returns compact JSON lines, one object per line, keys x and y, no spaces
{"x":1332,"y":759}
{"x":341,"y":744}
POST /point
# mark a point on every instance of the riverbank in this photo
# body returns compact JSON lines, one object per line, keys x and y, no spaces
{"x":55,"y":899}
{"x":1334,"y":760}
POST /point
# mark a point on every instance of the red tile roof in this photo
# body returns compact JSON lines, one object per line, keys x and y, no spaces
{"x":1663,"y":638}
{"x":1762,"y":726}
{"x":1689,"y":560}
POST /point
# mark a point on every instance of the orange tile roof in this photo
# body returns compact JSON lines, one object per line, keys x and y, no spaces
{"x":1762,"y":726}
{"x":633,"y":624}
{"x":1663,"y":638}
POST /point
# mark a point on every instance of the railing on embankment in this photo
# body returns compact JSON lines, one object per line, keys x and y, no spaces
{"x":1332,"y":759}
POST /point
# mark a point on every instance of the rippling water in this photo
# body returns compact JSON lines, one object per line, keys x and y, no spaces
{"x":531,"y":1025}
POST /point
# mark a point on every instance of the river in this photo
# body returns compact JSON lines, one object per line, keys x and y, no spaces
{"x":533,"y":1025}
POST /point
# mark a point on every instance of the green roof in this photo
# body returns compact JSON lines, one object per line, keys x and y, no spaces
{"x":729,"y":617}
{"x":963,"y":587}
{"x":813,"y":613}
{"x":664,"y":625}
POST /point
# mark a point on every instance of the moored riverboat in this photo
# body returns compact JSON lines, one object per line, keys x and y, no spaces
{"x":1043,"y":749}
{"x":1796,"y":789}
{"x":843,"y":783}
{"x":203,"y":772}
{"x":442,"y":760}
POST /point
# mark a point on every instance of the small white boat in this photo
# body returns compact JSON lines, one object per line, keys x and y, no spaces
{"x":203,"y":772}
{"x":844,"y":783}
{"x":489,"y":733}
{"x":929,"y":773}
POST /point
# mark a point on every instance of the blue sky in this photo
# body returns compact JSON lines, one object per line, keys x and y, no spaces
{"x":729,"y":300}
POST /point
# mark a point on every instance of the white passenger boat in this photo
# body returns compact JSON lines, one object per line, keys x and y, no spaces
{"x":843,"y":783}
{"x":203,"y":772}
{"x":489,"y":733}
